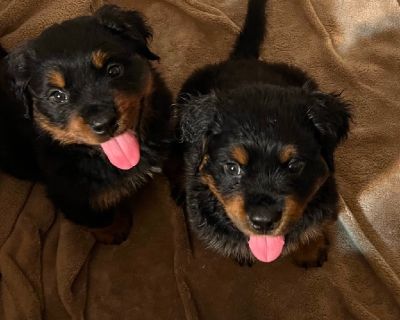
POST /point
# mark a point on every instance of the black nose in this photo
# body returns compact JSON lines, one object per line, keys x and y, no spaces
{"x":264,"y":219}
{"x":101,"y":118}
{"x":264,"y":212}
{"x":103,"y":125}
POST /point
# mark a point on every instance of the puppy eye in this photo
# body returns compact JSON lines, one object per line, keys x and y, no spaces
{"x":232,"y":169}
{"x":296,"y":166}
{"x":115,"y":70}
{"x":58,"y":96}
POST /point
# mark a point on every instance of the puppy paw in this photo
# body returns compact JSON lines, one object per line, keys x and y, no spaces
{"x":106,"y":236}
{"x":117,"y":232}
{"x":312,"y":260}
{"x":312,"y":255}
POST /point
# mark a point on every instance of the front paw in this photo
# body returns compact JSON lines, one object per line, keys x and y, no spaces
{"x":315,"y":260}
{"x":117,"y":232}
{"x":313,"y":254}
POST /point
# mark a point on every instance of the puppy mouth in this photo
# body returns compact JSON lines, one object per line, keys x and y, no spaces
{"x":266,"y":248}
{"x":116,"y":137}
{"x":123,"y":148}
{"x":123,"y":151}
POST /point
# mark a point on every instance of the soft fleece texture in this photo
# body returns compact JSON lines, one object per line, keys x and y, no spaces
{"x":51,"y":269}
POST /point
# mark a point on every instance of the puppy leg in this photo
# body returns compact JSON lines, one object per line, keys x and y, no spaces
{"x":117,"y":232}
{"x":312,"y":254}
{"x":108,"y":225}
{"x":111,"y":226}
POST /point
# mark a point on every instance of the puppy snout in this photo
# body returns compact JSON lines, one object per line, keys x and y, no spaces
{"x":102,"y":120}
{"x":264,"y":212}
{"x":103,"y":125}
{"x":264,"y":219}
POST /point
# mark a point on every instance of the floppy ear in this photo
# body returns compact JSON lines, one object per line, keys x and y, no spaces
{"x":128,"y":24}
{"x":17,"y":68}
{"x":331,"y":116}
{"x":198,"y":117}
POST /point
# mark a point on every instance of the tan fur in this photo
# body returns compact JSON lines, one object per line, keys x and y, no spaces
{"x":76,"y":131}
{"x":56,"y":79}
{"x":99,"y":57}
{"x":312,"y":253}
{"x":82,"y":131}
{"x":295,"y":207}
{"x":234,"y":206}
{"x":203,"y":162}
{"x":287,"y":153}
{"x":128,"y":106}
{"x":240,"y":155}
{"x":293,"y":211}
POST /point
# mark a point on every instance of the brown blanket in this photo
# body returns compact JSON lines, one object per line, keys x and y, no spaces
{"x":51,"y":269}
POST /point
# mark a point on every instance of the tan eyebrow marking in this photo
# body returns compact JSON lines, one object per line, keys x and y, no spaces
{"x":56,"y":78}
{"x":99,"y":57}
{"x":240,"y":154}
{"x":287,"y":153}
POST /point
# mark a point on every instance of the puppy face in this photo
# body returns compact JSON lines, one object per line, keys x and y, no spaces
{"x":85,"y":80}
{"x":264,"y":152}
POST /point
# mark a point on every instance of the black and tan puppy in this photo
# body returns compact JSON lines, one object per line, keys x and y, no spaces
{"x":82,"y":108}
{"x":258,"y":142}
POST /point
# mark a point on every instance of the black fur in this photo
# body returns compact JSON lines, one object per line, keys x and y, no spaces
{"x":261,"y":107}
{"x":250,"y":39}
{"x":3,"y":52}
{"x":75,"y":172}
{"x":128,"y":24}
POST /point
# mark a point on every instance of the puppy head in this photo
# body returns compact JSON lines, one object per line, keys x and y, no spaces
{"x":264,"y":152}
{"x":85,"y":80}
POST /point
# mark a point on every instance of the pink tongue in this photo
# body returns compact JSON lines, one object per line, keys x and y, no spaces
{"x":266,"y":248}
{"x":123,"y":151}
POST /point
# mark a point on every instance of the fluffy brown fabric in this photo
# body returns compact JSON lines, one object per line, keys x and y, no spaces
{"x":51,"y":269}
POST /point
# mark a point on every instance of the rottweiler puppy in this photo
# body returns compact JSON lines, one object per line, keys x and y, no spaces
{"x":257,"y":144}
{"x":83,"y":109}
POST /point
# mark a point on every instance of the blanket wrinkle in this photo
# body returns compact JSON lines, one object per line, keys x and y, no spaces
{"x":26,"y":18}
{"x":18,"y":192}
{"x":370,"y":252}
{"x":95,"y":4}
{"x":340,"y":60}
{"x":386,"y":240}
{"x":181,"y":261}
{"x":316,"y":20}
{"x":72,"y":267}
{"x":205,"y":12}
{"x":20,"y":259}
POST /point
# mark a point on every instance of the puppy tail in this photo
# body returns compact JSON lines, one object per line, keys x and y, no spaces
{"x":249,"y":41}
{"x":3,"y":52}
